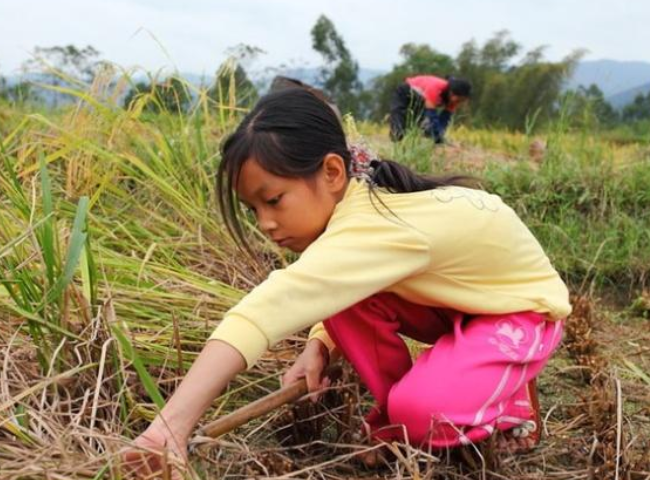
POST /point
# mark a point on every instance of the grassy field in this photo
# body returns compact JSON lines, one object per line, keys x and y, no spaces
{"x":115,"y":268}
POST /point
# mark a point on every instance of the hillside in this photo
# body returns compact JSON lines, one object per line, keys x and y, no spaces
{"x":611,"y":76}
{"x":624,"y":98}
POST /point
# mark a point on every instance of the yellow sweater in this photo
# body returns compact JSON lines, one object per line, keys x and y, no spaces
{"x":450,"y":247}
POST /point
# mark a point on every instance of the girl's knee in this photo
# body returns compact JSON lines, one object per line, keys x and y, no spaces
{"x":409,"y":403}
{"x":418,"y":415}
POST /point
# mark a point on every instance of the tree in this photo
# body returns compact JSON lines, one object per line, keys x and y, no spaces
{"x":61,"y":66}
{"x":506,"y":93}
{"x":232,"y":86}
{"x":170,"y":96}
{"x":417,"y":59}
{"x":498,"y":52}
{"x":485,"y":67}
{"x":534,"y":87}
{"x":232,"y":82}
{"x":638,"y":110}
{"x":603,"y":110}
{"x":587,"y":107}
{"x":340,"y":76}
{"x":3,"y":87}
{"x":21,"y":92}
{"x":70,"y":61}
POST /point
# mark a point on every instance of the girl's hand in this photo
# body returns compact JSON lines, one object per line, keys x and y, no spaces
{"x":157,"y":453}
{"x":162,"y":448}
{"x":310,"y":365}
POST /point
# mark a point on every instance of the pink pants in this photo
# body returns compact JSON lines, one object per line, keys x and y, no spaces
{"x":469,"y":383}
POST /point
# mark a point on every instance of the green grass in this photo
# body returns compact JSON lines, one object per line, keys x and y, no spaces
{"x":108,"y":224}
{"x":588,"y":202}
{"x":105,"y":202}
{"x":115,"y":265}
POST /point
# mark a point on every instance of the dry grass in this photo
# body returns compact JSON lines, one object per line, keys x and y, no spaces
{"x":82,"y":375}
{"x":596,"y":419}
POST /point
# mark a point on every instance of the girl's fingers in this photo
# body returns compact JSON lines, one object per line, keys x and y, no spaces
{"x":292,"y":376}
{"x":316,"y":382}
{"x":313,"y":380}
{"x":149,"y":465}
{"x":327,"y":382}
{"x":136,"y":464}
{"x":324,"y":383}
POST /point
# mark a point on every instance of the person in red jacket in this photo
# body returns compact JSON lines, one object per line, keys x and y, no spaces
{"x":427,"y":102}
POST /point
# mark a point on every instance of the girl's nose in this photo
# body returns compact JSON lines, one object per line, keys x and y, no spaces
{"x":267,"y":223}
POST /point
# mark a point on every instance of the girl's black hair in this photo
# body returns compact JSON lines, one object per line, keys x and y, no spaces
{"x":289,"y":133}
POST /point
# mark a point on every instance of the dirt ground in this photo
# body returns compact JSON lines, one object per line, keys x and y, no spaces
{"x":594,"y":394}
{"x":595,"y":402}
{"x":595,"y":398}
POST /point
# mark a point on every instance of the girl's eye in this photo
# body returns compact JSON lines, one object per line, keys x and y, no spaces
{"x":274,"y":200}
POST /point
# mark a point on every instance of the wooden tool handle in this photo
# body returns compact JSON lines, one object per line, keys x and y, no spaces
{"x":260,"y":407}
{"x":255,"y":409}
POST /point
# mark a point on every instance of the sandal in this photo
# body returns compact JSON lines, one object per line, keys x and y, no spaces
{"x":528,"y":434}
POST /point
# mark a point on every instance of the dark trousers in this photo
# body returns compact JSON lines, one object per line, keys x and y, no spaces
{"x":406,"y":111}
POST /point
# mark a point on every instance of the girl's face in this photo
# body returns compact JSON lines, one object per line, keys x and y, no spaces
{"x":292,"y":212}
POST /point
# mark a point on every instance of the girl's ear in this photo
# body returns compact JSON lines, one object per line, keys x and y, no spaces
{"x":334,"y":172}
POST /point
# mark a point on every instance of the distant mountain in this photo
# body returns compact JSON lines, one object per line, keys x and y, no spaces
{"x":612,"y":77}
{"x":624,"y":98}
{"x":312,"y":76}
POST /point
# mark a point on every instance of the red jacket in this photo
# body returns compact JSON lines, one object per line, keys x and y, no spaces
{"x":430,"y":87}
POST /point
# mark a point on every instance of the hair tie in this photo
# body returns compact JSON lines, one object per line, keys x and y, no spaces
{"x":361,"y":163}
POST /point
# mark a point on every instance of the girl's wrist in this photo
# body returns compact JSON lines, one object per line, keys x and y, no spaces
{"x":173,"y":426}
{"x":320,"y":346}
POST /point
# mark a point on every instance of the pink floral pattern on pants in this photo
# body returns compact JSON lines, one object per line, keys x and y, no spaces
{"x":471,"y":381}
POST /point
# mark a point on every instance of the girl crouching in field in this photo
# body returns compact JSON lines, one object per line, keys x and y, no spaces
{"x":384,"y":253}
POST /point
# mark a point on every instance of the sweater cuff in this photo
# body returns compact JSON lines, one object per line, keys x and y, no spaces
{"x":318,"y":331}
{"x":243,"y":336}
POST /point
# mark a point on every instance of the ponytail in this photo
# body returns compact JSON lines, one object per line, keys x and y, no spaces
{"x":397,"y":178}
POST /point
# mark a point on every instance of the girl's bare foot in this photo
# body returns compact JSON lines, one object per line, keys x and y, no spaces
{"x":373,"y":459}
{"x":378,"y":453}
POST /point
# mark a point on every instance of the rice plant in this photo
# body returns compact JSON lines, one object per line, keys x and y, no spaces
{"x":115,"y":268}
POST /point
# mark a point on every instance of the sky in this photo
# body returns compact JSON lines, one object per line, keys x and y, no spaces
{"x":192,"y":36}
